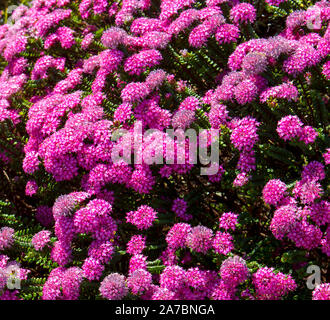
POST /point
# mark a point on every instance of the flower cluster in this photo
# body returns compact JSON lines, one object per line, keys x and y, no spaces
{"x":301,"y":216}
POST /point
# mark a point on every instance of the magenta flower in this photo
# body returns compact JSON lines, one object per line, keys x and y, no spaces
{"x":142,"y":218}
{"x":113,"y":287}
{"x":40,"y":239}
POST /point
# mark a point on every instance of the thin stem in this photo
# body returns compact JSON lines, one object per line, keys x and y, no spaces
{"x":6,"y":12}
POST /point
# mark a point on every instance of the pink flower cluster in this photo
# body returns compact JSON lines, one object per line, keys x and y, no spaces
{"x":6,"y":237}
{"x":291,"y":127}
{"x":40,"y":239}
{"x":142,"y":218}
{"x":272,"y":286}
{"x":63,"y":284}
{"x":300,"y":223}
{"x":113,"y":287}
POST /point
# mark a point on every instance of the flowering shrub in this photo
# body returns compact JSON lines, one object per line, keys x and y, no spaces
{"x":94,"y":204}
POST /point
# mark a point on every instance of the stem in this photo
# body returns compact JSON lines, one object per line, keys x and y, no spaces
{"x":6,"y":12}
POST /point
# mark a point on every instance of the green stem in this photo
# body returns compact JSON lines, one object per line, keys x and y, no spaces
{"x":6,"y":12}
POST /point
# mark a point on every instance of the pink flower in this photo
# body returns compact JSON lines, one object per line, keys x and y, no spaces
{"x":228,"y":221}
{"x":223,"y":243}
{"x":172,"y":278}
{"x":322,"y":292}
{"x":139,"y":281}
{"x":136,"y":244}
{"x":289,"y":127}
{"x":199,"y":239}
{"x":113,"y":287}
{"x":40,"y":239}
{"x":6,"y":237}
{"x":243,"y":13}
{"x":177,"y":235}
{"x":274,"y":191}
{"x":272,"y":286}
{"x":227,"y":33}
{"x":142,"y":218}
{"x":31,"y":188}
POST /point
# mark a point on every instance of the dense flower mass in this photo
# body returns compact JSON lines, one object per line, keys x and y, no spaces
{"x":164,"y":150}
{"x":272,"y":286}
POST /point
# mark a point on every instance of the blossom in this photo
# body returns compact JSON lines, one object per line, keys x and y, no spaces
{"x":180,"y":207}
{"x":163,"y":294}
{"x":283,"y":91}
{"x":40,"y":239}
{"x":227,"y":33}
{"x":274,"y":191}
{"x":241,"y":179}
{"x":275,"y":3}
{"x":135,"y":91}
{"x":31,"y":162}
{"x":307,"y":190}
{"x":326,"y":156}
{"x":172,"y":278}
{"x":113,"y":36}
{"x":244,"y":133}
{"x":243,"y":13}
{"x":272,"y":286}
{"x":177,"y":235}
{"x":283,"y":221}
{"x":218,"y":115}
{"x":326,"y":70}
{"x":139,"y":281}
{"x":313,"y":171}
{"x":234,"y":271}
{"x":200,"y":34}
{"x":31,"y":188}
{"x":113,"y":287}
{"x":138,"y":261}
{"x":92,"y":268}
{"x":254,"y":63}
{"x":142,"y":218}
{"x":139,"y":62}
{"x":6,"y":237}
{"x":322,"y":292}
{"x":245,"y":92}
{"x":320,"y":212}
{"x":308,"y":134}
{"x":136,"y":244}
{"x":199,"y":239}
{"x":289,"y":127}
{"x":63,"y":284}
{"x":228,"y":221}
{"x":123,"y":112}
{"x":183,"y":119}
{"x":223,"y":242}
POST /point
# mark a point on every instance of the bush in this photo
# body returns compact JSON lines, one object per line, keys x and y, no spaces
{"x":90,"y":209}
